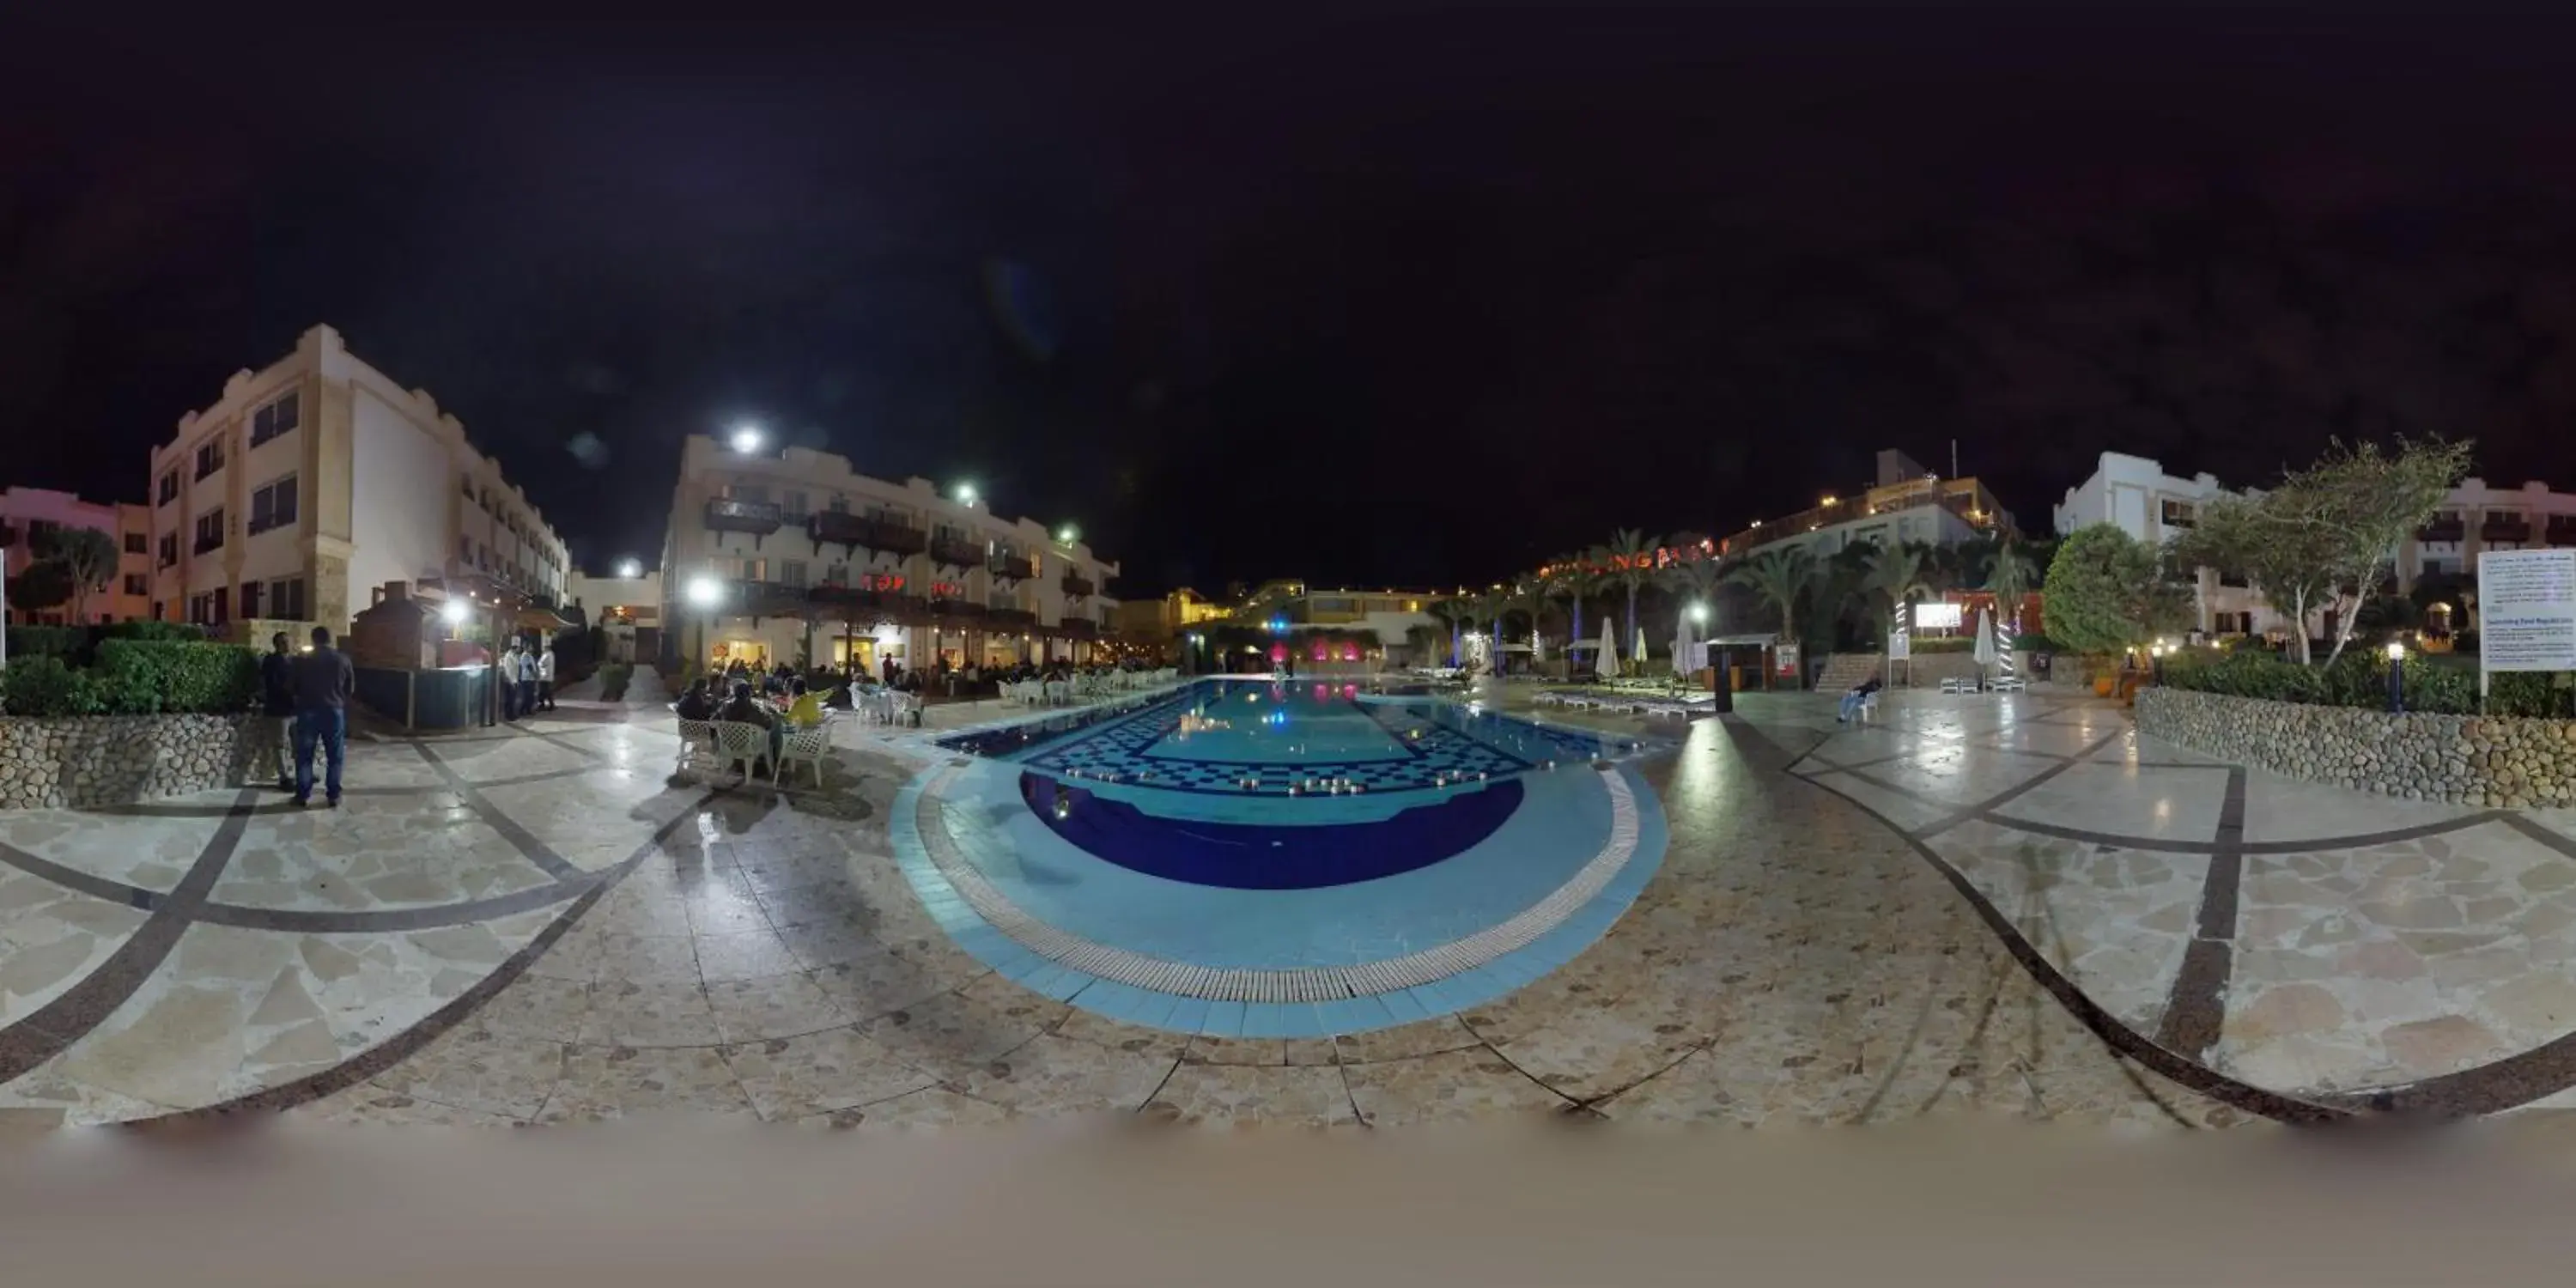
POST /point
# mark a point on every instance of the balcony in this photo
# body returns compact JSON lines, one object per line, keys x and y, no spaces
{"x":2562,"y":530}
{"x":207,"y":545}
{"x":2442,"y":530}
{"x":758,"y":599}
{"x":1079,"y":586}
{"x":725,"y":514}
{"x":956,"y":552}
{"x":849,"y":603}
{"x":965,"y":610}
{"x":1078,"y":628}
{"x":2505,"y":532}
{"x":884,"y":535}
{"x":1011,"y":565}
{"x":1011,"y":617}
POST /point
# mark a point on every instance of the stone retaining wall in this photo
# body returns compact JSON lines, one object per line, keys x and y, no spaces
{"x":85,"y":761}
{"x":2465,"y":760}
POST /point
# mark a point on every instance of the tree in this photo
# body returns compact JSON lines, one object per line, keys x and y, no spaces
{"x":2008,"y":577}
{"x":2108,"y":592}
{"x":1779,"y":578}
{"x":1449,"y":611}
{"x":41,"y":587}
{"x":2255,"y":537}
{"x":87,"y":556}
{"x":2362,"y":504}
{"x":1528,"y":596}
{"x":1570,"y":578}
{"x":1896,"y":577}
{"x":1629,"y":562}
{"x":1691,"y":581}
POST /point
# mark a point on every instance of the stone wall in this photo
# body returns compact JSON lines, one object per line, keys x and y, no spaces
{"x":2465,"y":760}
{"x":86,"y":761}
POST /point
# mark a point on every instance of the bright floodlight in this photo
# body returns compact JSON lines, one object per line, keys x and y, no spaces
{"x":453,"y":611}
{"x":746,"y":438}
{"x":1699,"y":612}
{"x":2396,"y":650}
{"x":704,"y":592}
{"x":1064,"y":536}
{"x":629,"y":569}
{"x":966,"y":494}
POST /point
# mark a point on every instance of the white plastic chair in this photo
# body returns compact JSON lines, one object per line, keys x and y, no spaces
{"x":740,"y":744}
{"x":697,"y":744}
{"x":806,"y":747}
{"x":1868,"y":708}
{"x":1058,"y":693}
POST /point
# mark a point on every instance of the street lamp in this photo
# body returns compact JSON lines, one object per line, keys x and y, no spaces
{"x":746,"y":439}
{"x":1699,"y":614}
{"x":966,"y":494}
{"x":452,"y":612}
{"x":1064,"y":536}
{"x":2396,"y":676}
{"x":629,"y":569}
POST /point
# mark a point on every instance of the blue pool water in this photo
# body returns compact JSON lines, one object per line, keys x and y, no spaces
{"x":1305,"y":829}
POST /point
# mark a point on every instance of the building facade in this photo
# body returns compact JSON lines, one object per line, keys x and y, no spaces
{"x":2476,"y":518}
{"x":1907,"y":504}
{"x":312,"y":483}
{"x":2136,"y":496}
{"x":780,"y":554}
{"x":625,"y":611}
{"x":28,"y":513}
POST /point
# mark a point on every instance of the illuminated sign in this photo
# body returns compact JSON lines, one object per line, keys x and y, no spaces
{"x":1937,"y":617}
{"x":948,"y":590}
{"x":883,"y":583}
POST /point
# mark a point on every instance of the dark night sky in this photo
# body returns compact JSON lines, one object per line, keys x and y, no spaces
{"x":1396,"y":301}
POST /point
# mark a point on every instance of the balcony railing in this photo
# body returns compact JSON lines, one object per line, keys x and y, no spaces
{"x":1078,"y":628}
{"x":883,"y":535}
{"x":956,"y":609}
{"x":1079,"y":586}
{"x":762,"y":599}
{"x":849,"y":601}
{"x":2513,"y":531}
{"x":1011,"y":565}
{"x":2562,"y":530}
{"x":956,"y":552}
{"x":1011,"y":617}
{"x":727,"y":514}
{"x":2442,"y":530}
{"x":204,"y":545}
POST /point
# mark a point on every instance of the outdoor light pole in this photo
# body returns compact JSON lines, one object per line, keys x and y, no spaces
{"x":2396,"y":676}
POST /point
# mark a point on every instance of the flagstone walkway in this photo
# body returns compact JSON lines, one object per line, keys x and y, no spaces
{"x":2010,"y":907}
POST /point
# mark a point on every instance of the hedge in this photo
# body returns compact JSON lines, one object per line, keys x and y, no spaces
{"x":78,"y":645}
{"x":135,"y":677}
{"x":2360,"y":679}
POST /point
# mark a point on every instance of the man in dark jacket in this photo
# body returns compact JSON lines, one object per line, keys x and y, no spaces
{"x":324,"y":683}
{"x":276,"y":745}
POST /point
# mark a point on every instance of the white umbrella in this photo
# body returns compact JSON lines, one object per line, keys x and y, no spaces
{"x":1986,"y":651}
{"x":1608,"y":662}
{"x":1682,"y":645}
{"x":1638,"y":658}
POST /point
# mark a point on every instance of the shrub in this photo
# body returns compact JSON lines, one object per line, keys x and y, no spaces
{"x":163,"y":632}
{"x":44,"y":686}
{"x":139,"y":677}
{"x":70,"y":643}
{"x":2034,"y":642}
{"x":613,"y":679}
{"x":2360,"y":679}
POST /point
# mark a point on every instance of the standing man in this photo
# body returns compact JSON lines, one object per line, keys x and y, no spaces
{"x":277,"y":712}
{"x":546,"y":676}
{"x":324,"y":683}
{"x":527,"y":681}
{"x":505,"y":677}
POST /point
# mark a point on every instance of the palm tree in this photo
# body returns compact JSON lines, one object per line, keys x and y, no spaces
{"x":1896,"y":576}
{"x":1570,"y":578}
{"x":1628,"y":562}
{"x":1450,"y":611}
{"x":1691,"y":581}
{"x":1779,"y":578}
{"x":2010,"y":579}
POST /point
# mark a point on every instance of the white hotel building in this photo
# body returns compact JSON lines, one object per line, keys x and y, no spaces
{"x":798,"y":554}
{"x":315,"y":481}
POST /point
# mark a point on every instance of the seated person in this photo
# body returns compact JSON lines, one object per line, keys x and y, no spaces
{"x":696,"y":704}
{"x":807,"y":710}
{"x":1852,"y":700}
{"x":743,"y":710}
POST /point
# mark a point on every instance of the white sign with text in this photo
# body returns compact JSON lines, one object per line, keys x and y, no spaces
{"x":2527,"y":610}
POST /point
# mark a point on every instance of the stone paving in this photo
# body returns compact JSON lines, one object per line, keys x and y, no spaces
{"x":2008,"y":907}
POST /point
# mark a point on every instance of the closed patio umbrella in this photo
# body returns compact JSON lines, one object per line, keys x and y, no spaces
{"x":1608,"y":662}
{"x":1682,"y":645}
{"x":1986,"y":652}
{"x":1637,"y":659}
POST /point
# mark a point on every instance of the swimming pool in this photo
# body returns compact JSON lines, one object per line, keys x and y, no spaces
{"x":1279,"y":858}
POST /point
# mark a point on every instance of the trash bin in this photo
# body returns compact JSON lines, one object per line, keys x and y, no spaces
{"x":1722,"y":680}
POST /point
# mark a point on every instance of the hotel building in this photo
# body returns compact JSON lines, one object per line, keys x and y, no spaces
{"x":313,"y":482}
{"x":774,"y":554}
{"x":1907,"y":504}
{"x":2135,"y":495}
{"x":27,"y":514}
{"x":2476,"y":518}
{"x":625,"y":611}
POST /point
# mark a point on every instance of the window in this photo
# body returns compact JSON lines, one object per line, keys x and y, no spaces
{"x":756,"y":493}
{"x":2179,"y":514}
{"x":272,"y":420}
{"x":210,"y":456}
{"x":169,"y":550}
{"x":286,"y":599}
{"x":210,"y":531}
{"x":837,"y":574}
{"x":134,"y":584}
{"x":39,"y":529}
{"x":792,"y":572}
{"x":222,"y":614}
{"x":273,"y":506}
{"x":250,"y":599}
{"x":794,"y":509}
{"x":840,"y":504}
{"x":169,"y":488}
{"x":138,"y":543}
{"x":465,"y":550}
{"x":469,"y":489}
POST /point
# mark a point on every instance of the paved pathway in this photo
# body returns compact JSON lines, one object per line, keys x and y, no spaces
{"x":1986,"y":907}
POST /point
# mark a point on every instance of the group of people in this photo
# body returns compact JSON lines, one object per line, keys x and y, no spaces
{"x":740,"y":689}
{"x":526,"y":674}
{"x":304,"y":699}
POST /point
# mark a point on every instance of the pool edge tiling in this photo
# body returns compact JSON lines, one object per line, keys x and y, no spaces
{"x":1319,"y":1001}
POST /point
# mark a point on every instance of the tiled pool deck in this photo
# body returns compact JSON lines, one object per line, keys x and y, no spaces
{"x":2011,"y":907}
